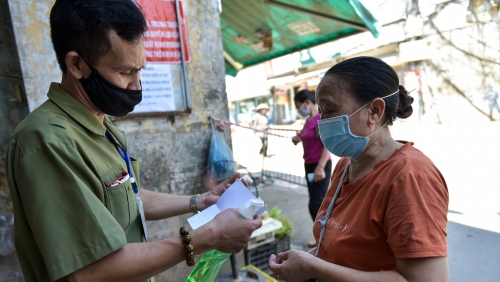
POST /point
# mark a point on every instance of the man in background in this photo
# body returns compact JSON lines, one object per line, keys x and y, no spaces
{"x":492,"y":96}
{"x":261,"y":122}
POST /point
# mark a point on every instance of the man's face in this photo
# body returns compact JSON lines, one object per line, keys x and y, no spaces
{"x":122,"y":65}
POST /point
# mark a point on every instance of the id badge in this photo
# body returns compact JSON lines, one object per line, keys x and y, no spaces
{"x":143,"y":217}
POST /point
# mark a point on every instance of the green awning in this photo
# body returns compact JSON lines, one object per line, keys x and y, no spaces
{"x":254,"y":31}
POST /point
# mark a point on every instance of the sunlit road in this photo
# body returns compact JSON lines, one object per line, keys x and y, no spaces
{"x":468,"y":156}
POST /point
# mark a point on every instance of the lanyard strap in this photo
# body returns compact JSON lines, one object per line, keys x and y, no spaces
{"x":322,"y":223}
{"x":126,"y":158}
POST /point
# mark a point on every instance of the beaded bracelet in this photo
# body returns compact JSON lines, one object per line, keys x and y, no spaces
{"x":186,"y":238}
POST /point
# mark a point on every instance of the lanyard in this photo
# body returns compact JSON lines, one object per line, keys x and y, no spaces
{"x":127,"y":161}
{"x":322,"y":223}
{"x":126,"y":158}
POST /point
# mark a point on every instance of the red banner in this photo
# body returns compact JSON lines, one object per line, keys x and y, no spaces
{"x":162,"y":40}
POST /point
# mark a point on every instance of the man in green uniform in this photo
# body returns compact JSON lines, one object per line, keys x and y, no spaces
{"x":78,"y":205}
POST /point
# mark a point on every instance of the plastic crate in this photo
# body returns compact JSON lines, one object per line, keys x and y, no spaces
{"x":283,"y":244}
{"x":259,"y":256}
{"x":265,"y":234}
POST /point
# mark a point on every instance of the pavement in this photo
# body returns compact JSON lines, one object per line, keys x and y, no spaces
{"x":466,"y":154}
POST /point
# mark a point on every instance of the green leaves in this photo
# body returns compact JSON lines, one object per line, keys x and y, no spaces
{"x":287,"y":228}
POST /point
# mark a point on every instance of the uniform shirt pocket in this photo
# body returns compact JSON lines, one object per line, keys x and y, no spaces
{"x":120,"y":200}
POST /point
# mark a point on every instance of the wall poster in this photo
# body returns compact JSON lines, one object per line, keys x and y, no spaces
{"x":160,"y":79}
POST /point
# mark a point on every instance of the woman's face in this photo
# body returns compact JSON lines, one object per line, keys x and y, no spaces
{"x":335,"y":100}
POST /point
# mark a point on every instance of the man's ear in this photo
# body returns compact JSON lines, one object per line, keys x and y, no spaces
{"x":74,"y":65}
{"x":377,"y":111}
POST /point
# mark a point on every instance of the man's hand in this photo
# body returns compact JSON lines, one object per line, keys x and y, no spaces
{"x":209,"y":198}
{"x":292,"y":265}
{"x":231,"y":231}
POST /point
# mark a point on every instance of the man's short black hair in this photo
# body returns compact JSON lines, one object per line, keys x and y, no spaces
{"x":83,"y":26}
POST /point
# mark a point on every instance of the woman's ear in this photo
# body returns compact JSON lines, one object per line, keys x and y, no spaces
{"x":377,"y":111}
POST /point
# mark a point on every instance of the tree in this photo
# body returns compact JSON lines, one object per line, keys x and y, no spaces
{"x":465,"y":50}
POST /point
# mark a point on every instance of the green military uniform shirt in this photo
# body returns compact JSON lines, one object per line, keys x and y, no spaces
{"x":59,"y":165}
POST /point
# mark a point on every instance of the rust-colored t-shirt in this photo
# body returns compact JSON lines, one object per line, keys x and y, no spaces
{"x":398,"y":210}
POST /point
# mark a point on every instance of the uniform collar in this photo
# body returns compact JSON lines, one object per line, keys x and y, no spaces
{"x":75,"y":109}
{"x":119,"y":135}
{"x":84,"y":116}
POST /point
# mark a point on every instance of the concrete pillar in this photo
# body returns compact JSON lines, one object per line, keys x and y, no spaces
{"x":12,"y":111}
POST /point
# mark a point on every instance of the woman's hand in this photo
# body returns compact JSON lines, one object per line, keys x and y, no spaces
{"x":209,"y":198}
{"x":292,"y":265}
{"x":295,"y":140}
{"x":319,"y":173}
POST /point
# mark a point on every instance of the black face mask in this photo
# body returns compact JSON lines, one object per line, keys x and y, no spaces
{"x":108,"y":98}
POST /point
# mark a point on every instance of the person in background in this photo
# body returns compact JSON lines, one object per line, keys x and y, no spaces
{"x":384,"y":217}
{"x":492,"y":96}
{"x":317,"y":161}
{"x":261,"y":122}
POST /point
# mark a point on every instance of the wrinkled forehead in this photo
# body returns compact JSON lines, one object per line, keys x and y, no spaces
{"x":124,"y":54}
{"x":333,"y":93}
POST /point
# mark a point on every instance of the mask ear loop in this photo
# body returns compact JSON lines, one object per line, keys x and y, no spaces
{"x":397,"y":91}
{"x":386,"y":121}
{"x":370,"y":102}
{"x":91,"y":68}
{"x":378,"y":129}
{"x":359,"y":110}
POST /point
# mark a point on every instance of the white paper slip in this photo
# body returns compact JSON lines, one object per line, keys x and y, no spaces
{"x":235,"y":196}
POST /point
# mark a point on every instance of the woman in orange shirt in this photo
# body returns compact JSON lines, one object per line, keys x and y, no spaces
{"x":384,"y":216}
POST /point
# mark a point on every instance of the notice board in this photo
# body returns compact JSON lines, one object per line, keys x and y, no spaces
{"x":162,"y":77}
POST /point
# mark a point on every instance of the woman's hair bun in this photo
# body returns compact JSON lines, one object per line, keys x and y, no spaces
{"x":405,"y":109}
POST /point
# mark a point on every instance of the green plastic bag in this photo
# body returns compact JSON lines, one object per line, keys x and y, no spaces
{"x":209,"y":266}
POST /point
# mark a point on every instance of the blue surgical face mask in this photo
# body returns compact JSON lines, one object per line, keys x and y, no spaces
{"x":304,"y":112}
{"x":338,"y":138}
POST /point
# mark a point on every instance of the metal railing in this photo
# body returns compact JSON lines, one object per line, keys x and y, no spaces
{"x":285,"y":162}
